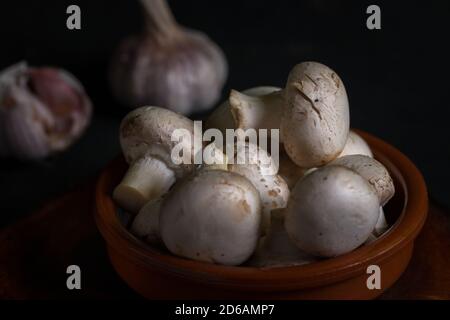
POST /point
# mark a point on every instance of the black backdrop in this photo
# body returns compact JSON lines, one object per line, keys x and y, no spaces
{"x":397,"y":77}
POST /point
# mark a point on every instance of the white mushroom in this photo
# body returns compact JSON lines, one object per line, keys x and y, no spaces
{"x":356,"y":145}
{"x":145,"y":225}
{"x":276,"y":249}
{"x":315,"y":122}
{"x":331,"y":211}
{"x":261,"y":170}
{"x":222,"y":118}
{"x":373,"y":171}
{"x":212,"y":216}
{"x":256,"y":112}
{"x":145,"y":137}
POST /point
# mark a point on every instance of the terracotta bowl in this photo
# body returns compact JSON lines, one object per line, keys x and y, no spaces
{"x":157,"y":274}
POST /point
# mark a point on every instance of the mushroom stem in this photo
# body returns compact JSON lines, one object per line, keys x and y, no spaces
{"x":159,"y":20}
{"x":222,"y":118}
{"x":147,"y":178}
{"x":258,"y":112}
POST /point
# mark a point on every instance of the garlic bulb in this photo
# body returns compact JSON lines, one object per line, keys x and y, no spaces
{"x":167,"y":65}
{"x":42,"y":111}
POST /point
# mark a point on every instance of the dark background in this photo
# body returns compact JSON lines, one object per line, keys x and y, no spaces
{"x":397,"y":78}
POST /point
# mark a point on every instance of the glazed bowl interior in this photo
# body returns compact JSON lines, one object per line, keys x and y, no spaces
{"x":405,"y":213}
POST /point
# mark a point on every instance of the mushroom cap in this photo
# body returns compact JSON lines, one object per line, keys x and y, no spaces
{"x":145,"y":225}
{"x":382,"y":226}
{"x":356,"y":145}
{"x":331,"y":211}
{"x":212,"y":216}
{"x":373,"y":171}
{"x":315,"y":122}
{"x":148,"y":131}
{"x":221,"y":118}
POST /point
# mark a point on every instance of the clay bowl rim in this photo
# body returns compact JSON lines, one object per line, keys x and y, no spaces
{"x":320,"y":273}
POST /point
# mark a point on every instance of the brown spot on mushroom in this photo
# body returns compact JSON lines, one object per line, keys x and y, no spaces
{"x":245,"y":210}
{"x":272,"y":193}
{"x":245,"y":206}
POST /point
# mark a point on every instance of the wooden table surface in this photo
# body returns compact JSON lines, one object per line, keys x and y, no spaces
{"x":35,"y":253}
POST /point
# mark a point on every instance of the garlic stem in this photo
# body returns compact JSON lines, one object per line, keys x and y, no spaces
{"x":159,"y":20}
{"x":147,"y":178}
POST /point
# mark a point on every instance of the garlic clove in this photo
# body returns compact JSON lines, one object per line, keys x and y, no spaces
{"x":42,"y":111}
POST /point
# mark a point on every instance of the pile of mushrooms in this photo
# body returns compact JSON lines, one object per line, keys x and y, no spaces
{"x":324,"y":198}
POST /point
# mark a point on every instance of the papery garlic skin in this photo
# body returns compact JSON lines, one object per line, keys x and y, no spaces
{"x":167,"y":65}
{"x":42,"y":111}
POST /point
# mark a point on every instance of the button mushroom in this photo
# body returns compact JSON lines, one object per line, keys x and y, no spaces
{"x":222,"y":118}
{"x":256,"y":112}
{"x":212,"y":216}
{"x":146,"y":223}
{"x":315,"y":122}
{"x":378,"y":177}
{"x":331,"y":211}
{"x":373,"y":171}
{"x":276,"y":249}
{"x":261,"y":170}
{"x":145,"y":137}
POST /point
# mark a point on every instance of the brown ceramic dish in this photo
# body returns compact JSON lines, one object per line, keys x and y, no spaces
{"x":159,"y":275}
